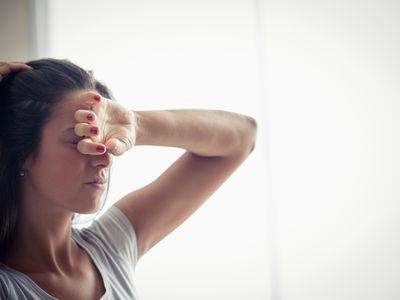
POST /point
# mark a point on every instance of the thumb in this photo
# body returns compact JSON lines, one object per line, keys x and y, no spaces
{"x":115,"y":146}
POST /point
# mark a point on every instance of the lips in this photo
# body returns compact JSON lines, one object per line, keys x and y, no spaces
{"x":98,"y":181}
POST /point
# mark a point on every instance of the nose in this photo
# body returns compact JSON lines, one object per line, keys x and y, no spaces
{"x":103,"y":160}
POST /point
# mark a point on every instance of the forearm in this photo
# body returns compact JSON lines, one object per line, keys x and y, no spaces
{"x":203,"y":132}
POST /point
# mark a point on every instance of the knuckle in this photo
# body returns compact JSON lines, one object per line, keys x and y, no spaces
{"x":77,"y":115}
{"x":79,"y":129}
{"x":7,"y":67}
{"x":81,"y":147}
{"x":80,"y":115}
{"x":91,"y":94}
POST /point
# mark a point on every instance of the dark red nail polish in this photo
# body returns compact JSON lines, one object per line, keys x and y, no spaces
{"x":100,"y":149}
{"x":93,"y":130}
{"x":89,"y":117}
{"x":96,"y":97}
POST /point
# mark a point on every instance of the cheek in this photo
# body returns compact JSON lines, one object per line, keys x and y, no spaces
{"x":72,"y":160}
{"x":66,"y":175}
{"x":59,"y":173}
{"x":65,"y":164}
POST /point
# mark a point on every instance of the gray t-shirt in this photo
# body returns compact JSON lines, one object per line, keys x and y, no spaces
{"x":111,"y":243}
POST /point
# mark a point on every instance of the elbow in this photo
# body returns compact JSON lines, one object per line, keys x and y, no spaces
{"x":248,"y":136}
{"x":240,"y":137}
{"x":252,"y":135}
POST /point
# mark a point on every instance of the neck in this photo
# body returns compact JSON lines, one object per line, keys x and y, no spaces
{"x":42,"y":243}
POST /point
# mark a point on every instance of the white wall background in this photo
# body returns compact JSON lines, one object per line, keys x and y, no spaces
{"x":313,"y":213}
{"x":332,"y":85}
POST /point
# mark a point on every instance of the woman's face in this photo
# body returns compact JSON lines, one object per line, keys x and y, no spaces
{"x":59,"y":174}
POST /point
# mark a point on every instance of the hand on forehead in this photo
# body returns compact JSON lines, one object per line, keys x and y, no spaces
{"x":104,"y":124}
{"x":89,"y":118}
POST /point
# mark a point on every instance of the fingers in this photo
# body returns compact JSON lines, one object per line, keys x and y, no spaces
{"x":118,"y":146}
{"x":82,"y":129}
{"x":86,"y":127}
{"x":91,"y":98}
{"x":7,"y":68}
{"x":115,"y":146}
{"x":86,"y":123}
{"x":10,"y":67}
{"x":87,"y":146}
{"x":85,"y":116}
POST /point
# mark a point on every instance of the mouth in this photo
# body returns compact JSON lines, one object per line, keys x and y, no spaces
{"x":97,"y":182}
{"x":98,"y":179}
{"x":97,"y":185}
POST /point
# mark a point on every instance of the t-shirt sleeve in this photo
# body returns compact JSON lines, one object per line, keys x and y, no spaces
{"x":115,"y":233}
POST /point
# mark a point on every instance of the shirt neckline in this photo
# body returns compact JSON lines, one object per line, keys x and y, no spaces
{"x":28,"y":280}
{"x":76,"y":238}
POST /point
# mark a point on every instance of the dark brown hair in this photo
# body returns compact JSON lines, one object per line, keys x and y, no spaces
{"x":27,"y":101}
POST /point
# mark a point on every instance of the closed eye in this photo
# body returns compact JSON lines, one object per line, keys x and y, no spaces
{"x":77,"y":141}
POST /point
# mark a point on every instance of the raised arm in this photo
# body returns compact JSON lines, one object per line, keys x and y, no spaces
{"x":217,"y":142}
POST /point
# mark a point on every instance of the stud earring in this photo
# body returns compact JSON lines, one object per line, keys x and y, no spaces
{"x":22,"y":173}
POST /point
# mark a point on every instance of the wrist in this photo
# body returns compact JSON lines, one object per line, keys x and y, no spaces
{"x":135,"y":117}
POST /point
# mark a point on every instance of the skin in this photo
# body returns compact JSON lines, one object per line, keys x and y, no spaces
{"x":9,"y":67}
{"x":53,"y":189}
{"x":56,"y":186}
{"x":216,"y":143}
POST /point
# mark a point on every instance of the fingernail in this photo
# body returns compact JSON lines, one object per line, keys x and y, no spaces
{"x":89,"y":117}
{"x":100,"y":149}
{"x":93,"y":130}
{"x":96,"y":97}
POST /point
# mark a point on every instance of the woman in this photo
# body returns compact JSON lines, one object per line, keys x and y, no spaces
{"x":59,"y":130}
